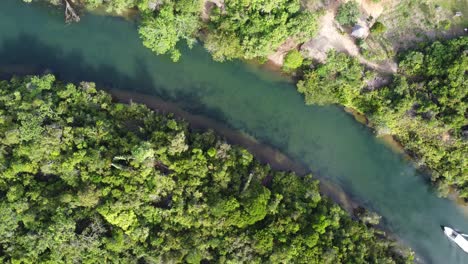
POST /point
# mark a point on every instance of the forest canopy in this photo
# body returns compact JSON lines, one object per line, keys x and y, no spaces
{"x":86,"y":180}
{"x":256,"y":28}
{"x":424,"y":107}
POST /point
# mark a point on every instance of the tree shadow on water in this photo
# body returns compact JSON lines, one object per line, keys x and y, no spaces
{"x":26,"y":55}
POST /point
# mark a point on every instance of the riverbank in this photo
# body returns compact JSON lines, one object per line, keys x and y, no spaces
{"x":393,"y":143}
{"x":245,"y":99}
{"x":388,"y":139}
{"x":126,"y":169}
{"x":261,"y":151}
{"x":265,"y":153}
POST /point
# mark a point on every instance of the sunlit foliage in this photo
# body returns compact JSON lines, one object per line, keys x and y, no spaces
{"x":425,"y":107}
{"x":256,"y":28}
{"x":174,"y":21}
{"x":292,"y":60}
{"x":338,"y":81}
{"x":86,"y":180}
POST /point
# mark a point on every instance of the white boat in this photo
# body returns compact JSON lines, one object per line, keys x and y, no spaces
{"x":457,"y":237}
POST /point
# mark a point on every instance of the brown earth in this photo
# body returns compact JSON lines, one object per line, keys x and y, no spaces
{"x":329,"y":37}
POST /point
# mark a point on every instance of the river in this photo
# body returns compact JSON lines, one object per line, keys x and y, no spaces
{"x":244,"y":98}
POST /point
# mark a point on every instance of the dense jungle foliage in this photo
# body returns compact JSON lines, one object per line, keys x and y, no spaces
{"x":251,"y":29}
{"x":86,"y":180}
{"x":255,"y":29}
{"x":425,"y":106}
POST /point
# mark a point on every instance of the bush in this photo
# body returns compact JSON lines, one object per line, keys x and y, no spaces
{"x":348,"y":13}
{"x":338,"y":81}
{"x":378,"y":28}
{"x":445,"y":24}
{"x":292,"y":60}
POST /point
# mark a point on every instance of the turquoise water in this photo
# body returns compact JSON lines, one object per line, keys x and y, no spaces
{"x":326,"y":139}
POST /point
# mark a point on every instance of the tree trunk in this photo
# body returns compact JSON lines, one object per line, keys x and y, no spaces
{"x":70,"y":14}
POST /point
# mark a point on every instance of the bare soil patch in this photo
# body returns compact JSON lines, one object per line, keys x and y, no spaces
{"x":277,"y":58}
{"x":330,"y":37}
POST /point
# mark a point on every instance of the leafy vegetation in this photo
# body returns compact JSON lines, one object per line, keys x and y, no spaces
{"x":175,"y":20}
{"x":348,"y":13}
{"x":338,"y":81}
{"x":292,"y":60}
{"x":112,"y":6}
{"x":378,"y":28}
{"x":256,"y":28}
{"x":425,"y":107}
{"x":86,"y":180}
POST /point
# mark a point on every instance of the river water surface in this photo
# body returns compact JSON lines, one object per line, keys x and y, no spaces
{"x":256,"y":102}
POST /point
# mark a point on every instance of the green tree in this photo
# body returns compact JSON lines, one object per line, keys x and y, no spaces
{"x":338,"y":81}
{"x":348,"y":13}
{"x":256,"y":28}
{"x":292,"y":60}
{"x":175,"y":21}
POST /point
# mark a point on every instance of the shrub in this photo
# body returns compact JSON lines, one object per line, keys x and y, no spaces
{"x":378,"y":28}
{"x":445,"y":24}
{"x":293,"y":60}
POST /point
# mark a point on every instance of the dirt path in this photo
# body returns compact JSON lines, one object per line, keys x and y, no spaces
{"x":329,"y":37}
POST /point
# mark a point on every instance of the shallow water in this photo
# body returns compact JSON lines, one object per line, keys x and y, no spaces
{"x":245,"y":98}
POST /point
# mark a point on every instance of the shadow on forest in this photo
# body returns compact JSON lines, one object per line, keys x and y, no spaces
{"x":27,"y":55}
